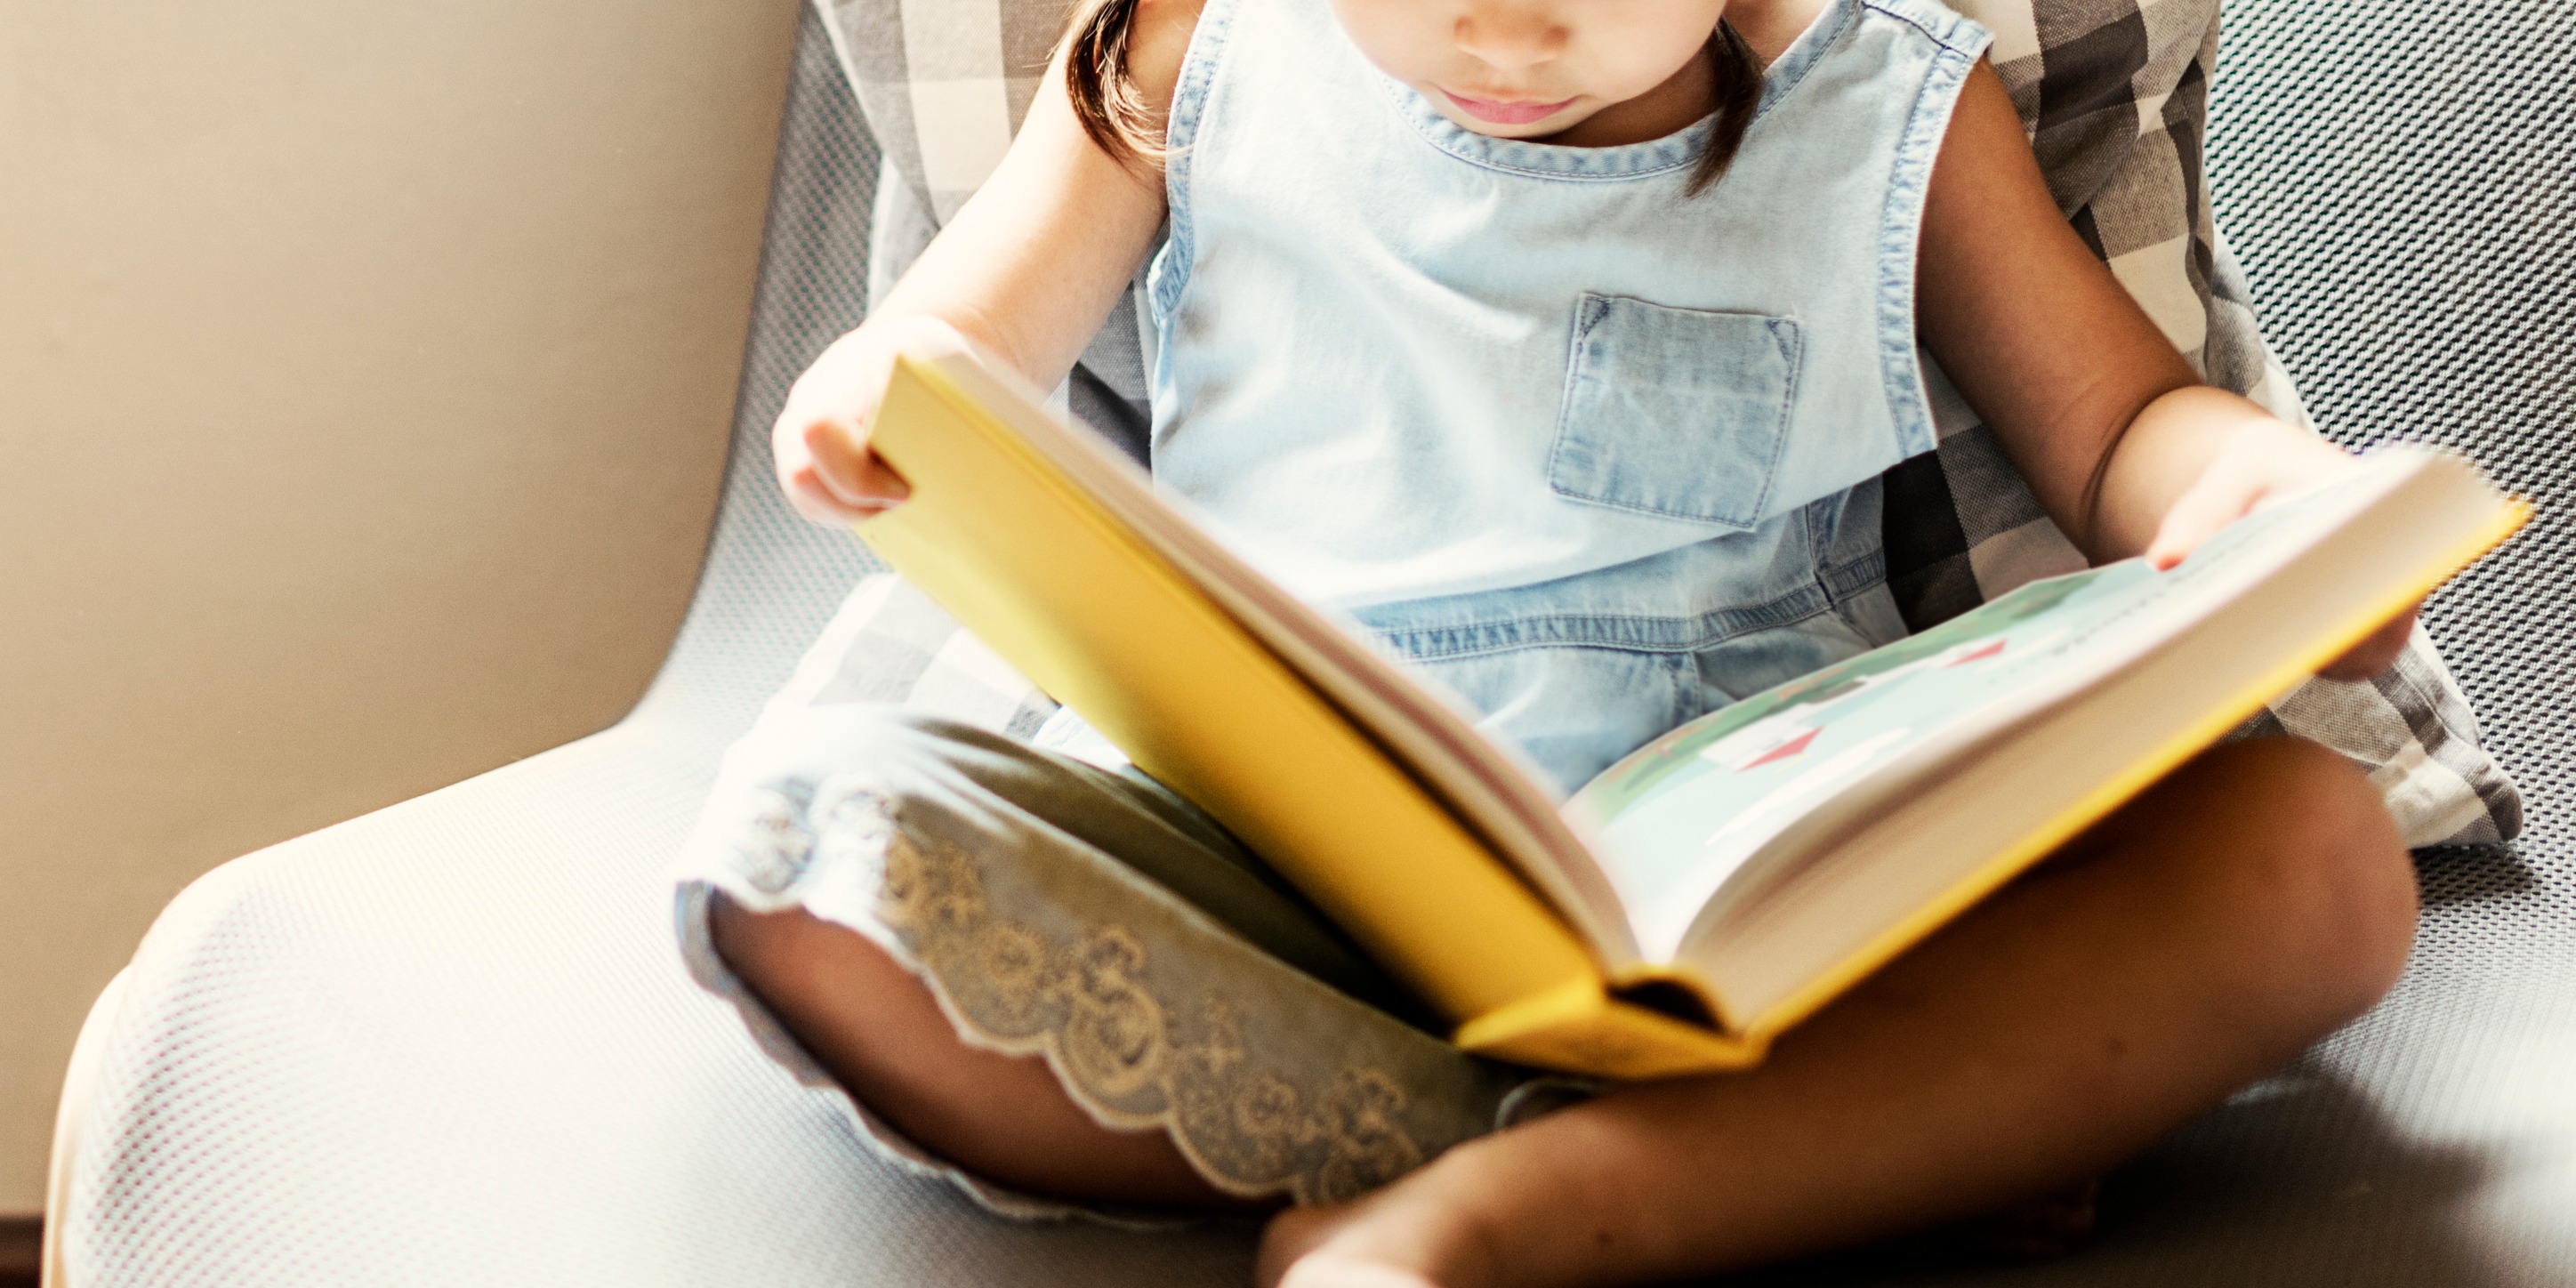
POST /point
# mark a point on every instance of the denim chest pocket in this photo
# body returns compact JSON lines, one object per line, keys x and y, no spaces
{"x":1675,"y":412}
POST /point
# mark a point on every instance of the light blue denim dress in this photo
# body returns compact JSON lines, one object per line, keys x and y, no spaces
{"x":1597,"y":454}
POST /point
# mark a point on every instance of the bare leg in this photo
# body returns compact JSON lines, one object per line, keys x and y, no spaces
{"x":880,"y":1033}
{"x":2192,"y":943}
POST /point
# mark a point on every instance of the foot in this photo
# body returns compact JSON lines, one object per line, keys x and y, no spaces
{"x":1383,"y":1241}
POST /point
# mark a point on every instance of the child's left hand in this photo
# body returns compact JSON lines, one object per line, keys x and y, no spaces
{"x":2260,"y":463}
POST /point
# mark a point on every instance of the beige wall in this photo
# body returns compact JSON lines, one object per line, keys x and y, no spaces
{"x":364,"y":379}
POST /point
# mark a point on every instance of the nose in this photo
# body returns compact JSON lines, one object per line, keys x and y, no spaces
{"x":1509,"y":37}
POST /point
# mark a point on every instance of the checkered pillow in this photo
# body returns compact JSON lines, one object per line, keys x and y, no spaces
{"x":2115,"y":96}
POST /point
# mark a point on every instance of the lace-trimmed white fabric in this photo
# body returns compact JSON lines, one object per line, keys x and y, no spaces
{"x":1095,"y":920}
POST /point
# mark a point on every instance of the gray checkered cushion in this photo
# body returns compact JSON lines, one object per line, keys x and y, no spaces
{"x":2115,"y":94}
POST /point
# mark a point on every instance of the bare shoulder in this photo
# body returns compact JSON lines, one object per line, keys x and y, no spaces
{"x":1156,"y":45}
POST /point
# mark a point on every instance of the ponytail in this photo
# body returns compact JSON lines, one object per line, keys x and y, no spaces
{"x":1739,"y":92}
{"x":1104,"y":95}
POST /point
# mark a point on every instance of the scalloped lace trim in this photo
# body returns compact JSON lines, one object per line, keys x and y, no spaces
{"x":1021,"y":973}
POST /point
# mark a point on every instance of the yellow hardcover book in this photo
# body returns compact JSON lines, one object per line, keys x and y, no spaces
{"x":1717,"y":885}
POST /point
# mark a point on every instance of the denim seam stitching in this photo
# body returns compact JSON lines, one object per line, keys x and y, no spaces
{"x":1942,"y":34}
{"x":1791,"y":71}
{"x":1650,"y":634}
{"x":1900,"y":236}
{"x":1180,"y":133}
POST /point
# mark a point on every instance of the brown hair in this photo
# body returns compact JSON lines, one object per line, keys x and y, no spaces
{"x":1104,"y":95}
{"x":1117,"y":119}
{"x":1739,"y":92}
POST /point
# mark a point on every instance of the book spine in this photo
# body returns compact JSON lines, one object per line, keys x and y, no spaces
{"x":1580,"y":1027}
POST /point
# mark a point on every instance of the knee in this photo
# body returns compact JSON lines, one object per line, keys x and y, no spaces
{"x":881,"y":1034}
{"x":860,"y":1014}
{"x":828,"y":984}
{"x":754,"y":946}
{"x":2330,"y":880}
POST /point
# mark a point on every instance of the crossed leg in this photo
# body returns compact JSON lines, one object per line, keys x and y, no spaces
{"x":2189,"y":944}
{"x":879,"y":1032}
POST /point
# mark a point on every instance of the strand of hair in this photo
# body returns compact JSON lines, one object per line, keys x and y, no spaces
{"x":1105,"y":99}
{"x":1739,"y":93}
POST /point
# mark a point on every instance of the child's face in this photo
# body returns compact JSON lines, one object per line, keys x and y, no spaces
{"x":1520,"y":69}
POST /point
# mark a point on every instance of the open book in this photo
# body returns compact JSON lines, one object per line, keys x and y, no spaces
{"x":1717,"y":885}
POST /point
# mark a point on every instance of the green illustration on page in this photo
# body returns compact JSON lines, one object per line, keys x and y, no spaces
{"x":1679,"y":815}
{"x":1676,"y":817}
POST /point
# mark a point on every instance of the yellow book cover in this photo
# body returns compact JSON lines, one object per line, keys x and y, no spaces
{"x":1715,"y":886}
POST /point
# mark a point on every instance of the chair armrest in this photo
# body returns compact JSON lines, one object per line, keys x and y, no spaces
{"x":80,"y":1079}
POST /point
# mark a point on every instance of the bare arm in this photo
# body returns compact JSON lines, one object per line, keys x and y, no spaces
{"x":1026,"y":271}
{"x":2122,"y":445}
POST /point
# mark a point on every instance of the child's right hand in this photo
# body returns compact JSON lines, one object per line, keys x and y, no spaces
{"x":820,"y":443}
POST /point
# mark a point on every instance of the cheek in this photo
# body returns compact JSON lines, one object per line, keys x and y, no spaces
{"x":1644,"y":53}
{"x":1405,"y":41}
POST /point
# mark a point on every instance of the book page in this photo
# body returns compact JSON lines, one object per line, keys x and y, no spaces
{"x":1709,"y":813}
{"x":1922,"y":857}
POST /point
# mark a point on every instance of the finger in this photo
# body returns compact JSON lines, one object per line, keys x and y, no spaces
{"x":836,"y":461}
{"x":2221,"y":497}
{"x":858,"y":476}
{"x":2375,"y":654}
{"x":787,"y":444}
{"x":805,"y":491}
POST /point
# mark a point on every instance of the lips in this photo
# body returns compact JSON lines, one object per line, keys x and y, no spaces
{"x":1502,"y":112}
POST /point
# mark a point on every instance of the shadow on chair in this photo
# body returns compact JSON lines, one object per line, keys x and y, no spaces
{"x":2452,"y":876}
{"x":2269,"y":1189}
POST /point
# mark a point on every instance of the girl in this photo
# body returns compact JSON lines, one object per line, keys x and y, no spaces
{"x":1561,"y":343}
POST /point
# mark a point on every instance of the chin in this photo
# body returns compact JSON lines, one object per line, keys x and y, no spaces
{"x":1557,"y":124}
